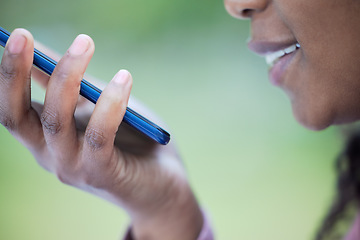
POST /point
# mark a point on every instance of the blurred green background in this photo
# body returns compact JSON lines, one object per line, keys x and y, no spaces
{"x":254,"y":169}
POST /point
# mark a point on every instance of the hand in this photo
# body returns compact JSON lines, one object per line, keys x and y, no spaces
{"x":84,"y":146}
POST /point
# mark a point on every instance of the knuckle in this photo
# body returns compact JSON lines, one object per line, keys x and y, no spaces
{"x":63,"y":178}
{"x":51,"y":122}
{"x":95,"y":138}
{"x":122,"y":173}
{"x":90,"y":179}
{"x":95,"y":177}
{"x":7,"y":72}
{"x":62,"y":73}
{"x":90,"y":174}
{"x":6,"y":120}
{"x":72,"y":78}
{"x":87,"y":179}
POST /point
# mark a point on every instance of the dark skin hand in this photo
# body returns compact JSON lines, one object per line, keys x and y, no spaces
{"x":83,"y":145}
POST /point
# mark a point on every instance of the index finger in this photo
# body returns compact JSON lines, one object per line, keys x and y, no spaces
{"x":16,"y":112}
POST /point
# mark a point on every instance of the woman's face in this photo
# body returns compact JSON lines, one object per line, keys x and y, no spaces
{"x":320,"y":71}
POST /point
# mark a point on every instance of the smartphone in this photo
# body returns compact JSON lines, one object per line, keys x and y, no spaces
{"x":92,"y":93}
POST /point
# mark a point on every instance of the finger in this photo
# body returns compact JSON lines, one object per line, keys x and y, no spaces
{"x":16,"y":113}
{"x":106,"y":118}
{"x":38,"y":75}
{"x":61,"y":97}
{"x":42,"y":78}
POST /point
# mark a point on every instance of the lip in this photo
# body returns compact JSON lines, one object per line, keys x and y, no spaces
{"x":278,"y":70}
{"x":264,"y":48}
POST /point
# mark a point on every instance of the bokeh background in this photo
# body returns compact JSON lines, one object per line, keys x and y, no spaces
{"x":257,"y":172}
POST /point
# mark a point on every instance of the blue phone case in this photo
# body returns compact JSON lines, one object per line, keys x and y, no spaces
{"x":92,"y":93}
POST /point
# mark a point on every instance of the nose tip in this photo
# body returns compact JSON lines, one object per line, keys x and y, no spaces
{"x":244,"y":9}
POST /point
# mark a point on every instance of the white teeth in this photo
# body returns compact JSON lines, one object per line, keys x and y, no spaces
{"x":290,"y":49}
{"x":270,"y":59}
{"x":273,"y":57}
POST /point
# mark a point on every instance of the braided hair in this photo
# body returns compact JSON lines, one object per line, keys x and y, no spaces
{"x":346,"y":202}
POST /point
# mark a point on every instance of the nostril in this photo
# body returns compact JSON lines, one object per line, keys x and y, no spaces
{"x":246,"y":13}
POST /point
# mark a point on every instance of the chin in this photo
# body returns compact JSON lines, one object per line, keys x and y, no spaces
{"x":313,"y":119}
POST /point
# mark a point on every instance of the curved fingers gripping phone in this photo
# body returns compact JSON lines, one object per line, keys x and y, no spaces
{"x":92,"y":93}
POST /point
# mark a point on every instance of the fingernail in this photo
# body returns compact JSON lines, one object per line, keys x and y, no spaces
{"x":80,"y":45}
{"x":17,"y":43}
{"x":122,"y":76}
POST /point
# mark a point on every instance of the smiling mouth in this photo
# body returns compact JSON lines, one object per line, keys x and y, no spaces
{"x":274,"y":57}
